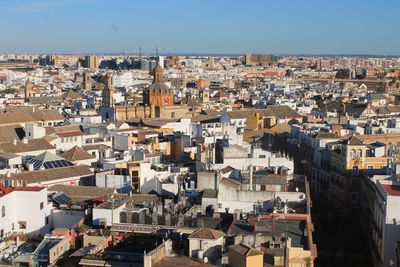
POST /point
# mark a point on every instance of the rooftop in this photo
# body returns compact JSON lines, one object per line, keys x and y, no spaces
{"x":392,"y":190}
{"x":51,"y":174}
{"x":207,"y":233}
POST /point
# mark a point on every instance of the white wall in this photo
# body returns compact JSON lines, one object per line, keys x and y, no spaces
{"x":25,"y":206}
{"x":121,"y":142}
{"x":111,"y":215}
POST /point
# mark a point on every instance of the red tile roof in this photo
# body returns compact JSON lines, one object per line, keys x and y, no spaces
{"x":69,"y":134}
{"x":207,"y":233}
{"x":392,"y":190}
{"x":4,"y":190}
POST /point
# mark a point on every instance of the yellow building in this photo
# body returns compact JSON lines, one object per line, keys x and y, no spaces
{"x":242,"y":255}
{"x":361,"y":156}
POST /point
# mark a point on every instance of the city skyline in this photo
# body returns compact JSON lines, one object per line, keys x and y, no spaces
{"x":179,"y":27}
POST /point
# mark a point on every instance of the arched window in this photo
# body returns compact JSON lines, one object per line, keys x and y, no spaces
{"x":3,"y":211}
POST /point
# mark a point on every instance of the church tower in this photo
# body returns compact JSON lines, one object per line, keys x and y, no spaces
{"x":87,"y":81}
{"x":28,"y":92}
{"x":108,"y":92}
{"x":158,"y":93}
{"x":158,"y":74}
{"x":205,"y":95}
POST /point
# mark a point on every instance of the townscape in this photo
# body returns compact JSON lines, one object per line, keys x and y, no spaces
{"x":168,"y":160}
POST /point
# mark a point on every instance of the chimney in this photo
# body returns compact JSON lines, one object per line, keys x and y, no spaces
{"x":14,"y":142}
{"x":236,"y":215}
{"x":251,"y":177}
{"x":24,"y":140}
{"x":30,"y":166}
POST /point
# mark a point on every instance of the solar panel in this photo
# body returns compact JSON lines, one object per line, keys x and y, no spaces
{"x":64,"y":163}
{"x":59,"y":163}
{"x":47,"y":165}
{"x":61,"y":199}
{"x":55,"y":164}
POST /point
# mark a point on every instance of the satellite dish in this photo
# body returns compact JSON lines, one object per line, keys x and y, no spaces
{"x":205,"y":260}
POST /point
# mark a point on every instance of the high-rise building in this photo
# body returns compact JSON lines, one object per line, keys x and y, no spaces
{"x":152,"y":65}
{"x":144,"y":64}
{"x":247,"y":59}
{"x":92,"y":62}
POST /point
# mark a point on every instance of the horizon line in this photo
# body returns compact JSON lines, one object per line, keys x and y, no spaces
{"x":210,"y":54}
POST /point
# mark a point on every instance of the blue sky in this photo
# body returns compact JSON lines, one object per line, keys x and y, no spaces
{"x":201,"y":26}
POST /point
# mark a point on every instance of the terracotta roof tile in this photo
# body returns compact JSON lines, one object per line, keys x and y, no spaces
{"x":77,"y":153}
{"x":31,"y":145}
{"x":51,"y":174}
{"x":206,"y":233}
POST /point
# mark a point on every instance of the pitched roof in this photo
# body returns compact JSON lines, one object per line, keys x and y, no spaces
{"x":205,"y":118}
{"x":281,"y":112}
{"x":70,"y":94}
{"x":45,"y":100}
{"x":10,"y":132}
{"x":240,"y":114}
{"x":47,"y":156}
{"x":29,"y":114}
{"x":82,"y":193}
{"x":47,"y":115}
{"x":220,"y":94}
{"x":327,"y":136}
{"x":69,"y":134}
{"x":31,"y":145}
{"x":354,"y":141}
{"x":244,"y":250}
{"x":51,"y":174}
{"x":227,"y":169}
{"x":240,"y":228}
{"x":206,"y":233}
{"x":15,"y":118}
{"x":63,"y":129}
{"x":191,"y":102}
{"x":100,"y":147}
{"x":48,"y":160}
{"x":77,"y":153}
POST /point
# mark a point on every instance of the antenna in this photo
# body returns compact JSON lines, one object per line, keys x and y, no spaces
{"x":157,"y":52}
{"x":140,"y":51}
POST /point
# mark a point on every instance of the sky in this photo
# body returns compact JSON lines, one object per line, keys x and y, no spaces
{"x":369,"y":27}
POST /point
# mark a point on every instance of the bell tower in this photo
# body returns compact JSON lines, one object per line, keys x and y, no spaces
{"x":28,"y":90}
{"x":158,"y":74}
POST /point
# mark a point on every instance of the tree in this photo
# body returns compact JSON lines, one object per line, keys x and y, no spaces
{"x":9,"y":91}
{"x":343,"y":74}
